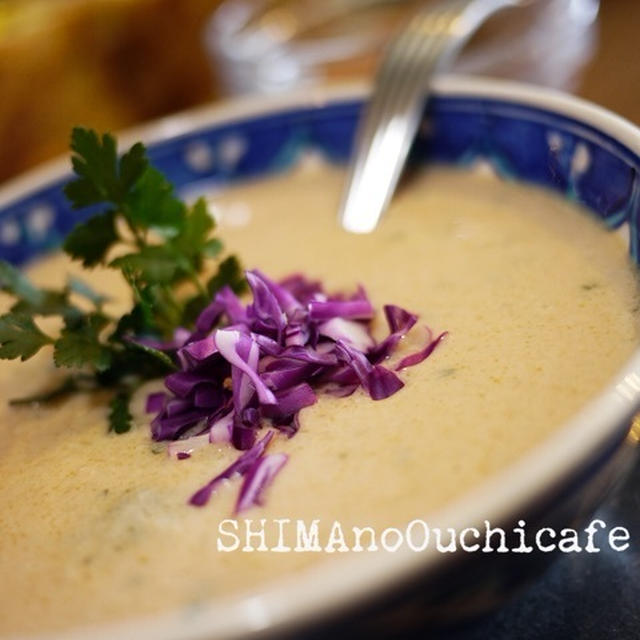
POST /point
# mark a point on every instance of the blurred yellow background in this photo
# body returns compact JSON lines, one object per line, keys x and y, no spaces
{"x":111,"y":63}
{"x":104,"y":63}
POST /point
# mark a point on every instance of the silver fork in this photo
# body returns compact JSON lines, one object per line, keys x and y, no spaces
{"x":427,"y":45}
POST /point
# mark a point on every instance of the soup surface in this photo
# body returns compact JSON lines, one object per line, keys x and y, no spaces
{"x":541,"y":309}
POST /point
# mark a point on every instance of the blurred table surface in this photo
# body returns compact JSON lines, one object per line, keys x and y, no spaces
{"x":582,"y":597}
{"x":596,"y":596}
{"x":579,"y":597}
{"x":612,"y":78}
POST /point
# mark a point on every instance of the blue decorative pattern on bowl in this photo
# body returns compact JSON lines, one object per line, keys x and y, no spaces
{"x":518,"y":142}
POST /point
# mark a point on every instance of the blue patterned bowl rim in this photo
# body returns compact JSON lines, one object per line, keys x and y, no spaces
{"x":577,"y":148}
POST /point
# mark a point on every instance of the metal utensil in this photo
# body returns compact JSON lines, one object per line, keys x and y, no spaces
{"x":428,"y":44}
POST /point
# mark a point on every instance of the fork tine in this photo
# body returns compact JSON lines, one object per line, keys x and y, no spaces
{"x":389,"y":77}
{"x":393,"y":115}
{"x":390,"y":80}
{"x":410,"y":59}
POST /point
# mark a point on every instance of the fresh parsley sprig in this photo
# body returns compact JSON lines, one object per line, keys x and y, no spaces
{"x":162,"y":245}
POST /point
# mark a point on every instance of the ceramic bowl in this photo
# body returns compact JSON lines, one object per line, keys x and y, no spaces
{"x":521,"y":133}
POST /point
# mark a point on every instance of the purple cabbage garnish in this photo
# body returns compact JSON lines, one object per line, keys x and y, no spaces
{"x":245,"y":463}
{"x":245,"y":367}
{"x":182,"y":449}
{"x":258,"y":478}
{"x":155,"y":402}
{"x":416,"y":358}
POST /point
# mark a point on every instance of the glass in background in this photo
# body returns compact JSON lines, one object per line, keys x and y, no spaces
{"x":268,"y":46}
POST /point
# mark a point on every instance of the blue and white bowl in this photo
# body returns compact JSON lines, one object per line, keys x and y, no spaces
{"x":585,"y":153}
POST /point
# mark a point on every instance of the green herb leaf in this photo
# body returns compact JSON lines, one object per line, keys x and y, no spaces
{"x":30,"y":300}
{"x":95,"y":162}
{"x":195,"y":232}
{"x":229,"y":273}
{"x":157,"y":264}
{"x":13,"y":281}
{"x":166,"y":310}
{"x":166,"y":246}
{"x":119,"y":416}
{"x":159,"y":356}
{"x":193,"y":307}
{"x":79,"y":344}
{"x":133,"y":164}
{"x":139,"y":321}
{"x":89,"y":241}
{"x":83,"y":289}
{"x":52,"y":303}
{"x":212,"y":248}
{"x":20,"y":337}
{"x":152,"y":205}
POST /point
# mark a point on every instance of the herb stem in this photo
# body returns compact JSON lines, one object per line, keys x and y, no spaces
{"x":135,"y":231}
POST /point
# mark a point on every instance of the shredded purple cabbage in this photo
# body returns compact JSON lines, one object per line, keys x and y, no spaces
{"x":258,"y":478}
{"x":244,"y":464}
{"x":245,"y":366}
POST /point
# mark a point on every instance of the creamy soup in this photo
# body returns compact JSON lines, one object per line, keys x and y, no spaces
{"x":541,"y":309}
